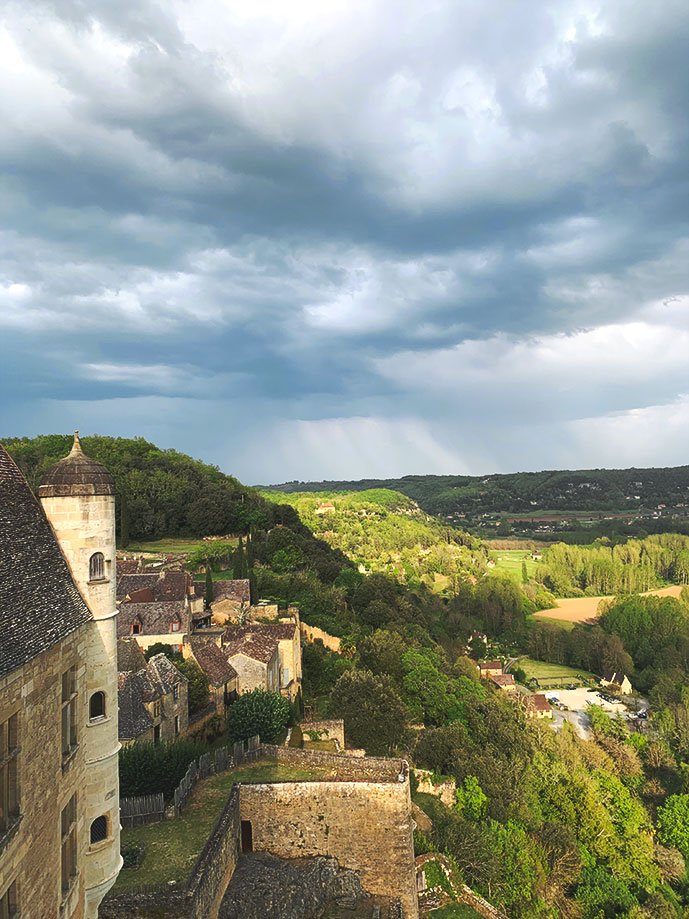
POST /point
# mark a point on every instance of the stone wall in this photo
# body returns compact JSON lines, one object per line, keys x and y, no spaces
{"x":343,"y":768}
{"x":202,"y":895}
{"x":312,"y":633}
{"x":365,"y":824}
{"x":329,"y":730}
{"x":445,"y":789}
{"x":30,"y":851}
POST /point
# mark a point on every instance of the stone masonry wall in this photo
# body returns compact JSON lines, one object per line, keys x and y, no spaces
{"x":329,"y":730}
{"x":366,"y":826}
{"x":313,"y":633}
{"x":341,"y":767}
{"x":30,"y":853}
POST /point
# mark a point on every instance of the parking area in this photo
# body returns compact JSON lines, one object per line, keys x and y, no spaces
{"x":571,"y":705}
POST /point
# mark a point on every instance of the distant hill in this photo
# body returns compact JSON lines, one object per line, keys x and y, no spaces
{"x":657,"y":498}
{"x":386,"y":532}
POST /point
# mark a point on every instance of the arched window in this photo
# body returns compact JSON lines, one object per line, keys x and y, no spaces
{"x":99,"y":829}
{"x":97,"y":706}
{"x":97,"y":567}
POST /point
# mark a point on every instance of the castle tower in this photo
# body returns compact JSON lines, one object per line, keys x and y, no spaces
{"x":78,"y":497}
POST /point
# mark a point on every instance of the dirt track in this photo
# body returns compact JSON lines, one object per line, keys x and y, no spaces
{"x":585,"y":609}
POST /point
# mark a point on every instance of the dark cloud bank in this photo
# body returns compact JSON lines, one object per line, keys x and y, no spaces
{"x":365,"y":239}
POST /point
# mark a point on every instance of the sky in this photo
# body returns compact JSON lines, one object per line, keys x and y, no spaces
{"x":349,"y":238}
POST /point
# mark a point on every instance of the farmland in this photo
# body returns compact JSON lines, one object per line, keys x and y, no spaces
{"x":585,"y":609}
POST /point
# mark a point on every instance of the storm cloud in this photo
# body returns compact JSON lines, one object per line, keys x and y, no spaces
{"x":345,"y":239}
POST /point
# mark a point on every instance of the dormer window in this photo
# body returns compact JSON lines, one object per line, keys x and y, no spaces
{"x":174,"y":626}
{"x":136,"y":628}
{"x":97,"y":567}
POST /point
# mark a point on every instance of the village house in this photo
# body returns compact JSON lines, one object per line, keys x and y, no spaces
{"x":152,"y":697}
{"x":537,"y":706}
{"x":255,"y":658}
{"x":222,"y":677}
{"x":165,"y":622}
{"x":489,"y":668}
{"x":504,"y":681}
{"x":617,"y":681}
{"x":231,"y":600}
{"x":259,"y":637}
{"x":59,"y":789}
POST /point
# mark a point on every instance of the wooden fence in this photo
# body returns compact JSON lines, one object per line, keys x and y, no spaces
{"x":144,"y":809}
{"x":151,"y":808}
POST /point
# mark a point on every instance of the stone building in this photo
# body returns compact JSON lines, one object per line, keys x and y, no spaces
{"x":222,"y":677}
{"x":255,"y":658}
{"x":231,"y":600}
{"x":160,"y":622}
{"x":153,"y":697}
{"x":59,"y":790}
{"x":257,"y":641}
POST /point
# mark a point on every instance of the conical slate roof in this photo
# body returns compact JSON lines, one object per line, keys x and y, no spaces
{"x":76,"y":474}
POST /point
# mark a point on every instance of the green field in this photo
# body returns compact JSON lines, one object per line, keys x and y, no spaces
{"x":166,"y":546}
{"x":551,"y":673}
{"x":509,"y":561}
{"x":565,"y":624}
{"x":172,"y":846}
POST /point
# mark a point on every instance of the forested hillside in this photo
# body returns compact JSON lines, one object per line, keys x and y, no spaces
{"x":573,"y":505}
{"x":386,"y":532}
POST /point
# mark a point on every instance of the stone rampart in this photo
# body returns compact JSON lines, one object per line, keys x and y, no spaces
{"x":341,"y":767}
{"x":363,"y":822}
{"x":200,"y":898}
{"x":312,"y":633}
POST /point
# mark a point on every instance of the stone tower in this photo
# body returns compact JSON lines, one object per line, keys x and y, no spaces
{"x":78,"y":497}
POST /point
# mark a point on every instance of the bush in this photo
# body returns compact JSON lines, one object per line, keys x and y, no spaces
{"x":259,"y":712}
{"x":148,"y":769}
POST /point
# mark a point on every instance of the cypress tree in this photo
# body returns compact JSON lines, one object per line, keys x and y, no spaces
{"x":209,"y":585}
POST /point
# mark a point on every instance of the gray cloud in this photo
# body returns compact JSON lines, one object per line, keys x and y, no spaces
{"x":383,"y":238}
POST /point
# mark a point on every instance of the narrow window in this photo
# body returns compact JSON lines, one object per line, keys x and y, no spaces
{"x":174,"y":627}
{"x":68,"y":833}
{"x":9,"y":789}
{"x":156,"y":709}
{"x":176,"y":724}
{"x":9,"y":905}
{"x":97,"y":706}
{"x":97,"y":567}
{"x":69,"y":711}
{"x":99,"y":829}
{"x":175,"y":692}
{"x":156,"y":734}
{"x":136,"y":628}
{"x":247,"y":836}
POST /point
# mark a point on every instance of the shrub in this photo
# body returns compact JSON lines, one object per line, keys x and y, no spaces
{"x":148,"y":769}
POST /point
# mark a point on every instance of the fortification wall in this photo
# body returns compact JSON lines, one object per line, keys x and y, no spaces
{"x":329,"y":730}
{"x":365,"y":825}
{"x":341,"y":767}
{"x":312,"y":633}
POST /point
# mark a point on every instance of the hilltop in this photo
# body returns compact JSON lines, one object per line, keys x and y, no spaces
{"x":575,"y":505}
{"x":386,"y":532}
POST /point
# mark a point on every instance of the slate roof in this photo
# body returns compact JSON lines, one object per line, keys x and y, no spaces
{"x":213,"y":662}
{"x":39,"y":602}
{"x":130,"y":657}
{"x":238,"y":589}
{"x":134,"y":719}
{"x":76,"y":474}
{"x":128,"y":583}
{"x":259,"y":646}
{"x":127,"y":565}
{"x":137,"y":687}
{"x":155,"y":618}
{"x":161,"y":670}
{"x":614,"y":676}
{"x":277,"y":630}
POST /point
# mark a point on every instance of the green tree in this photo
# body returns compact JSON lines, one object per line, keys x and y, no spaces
{"x":673,"y":823}
{"x":209,"y":586}
{"x":198,"y":689}
{"x":470,"y":800}
{"x":261,"y":713}
{"x":375,"y":716}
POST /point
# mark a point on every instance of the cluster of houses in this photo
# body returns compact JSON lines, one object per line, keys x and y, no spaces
{"x":239,"y":647}
{"x":535,"y":705}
